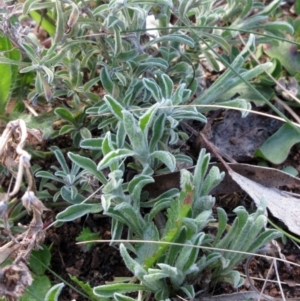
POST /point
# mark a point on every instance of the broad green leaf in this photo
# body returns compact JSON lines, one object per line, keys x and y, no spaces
{"x":188,"y":289}
{"x":115,"y":156}
{"x":68,"y":196}
{"x":85,"y":133}
{"x":129,"y":216}
{"x":48,"y":175}
{"x":167,"y":158}
{"x":147,"y":118}
{"x":127,"y":55}
{"x":232,"y":277}
{"x":157,"y":131}
{"x":54,"y":292}
{"x":88,"y":165}
{"x":167,"y":86}
{"x":75,"y":211}
{"x":92,"y":143}
{"x":88,"y":85}
{"x":181,"y":69}
{"x":144,"y":250}
{"x":287,"y":54}
{"x":106,"y":81}
{"x":65,"y":114}
{"x":65,"y":129}
{"x":213,"y":178}
{"x":156,"y":62}
{"x":38,"y":289}
{"x":153,"y":88}
{"x":37,"y":256}
{"x":277,"y":147}
{"x":279,"y":26}
{"x":114,"y":106}
{"x":138,"y":139}
{"x":155,"y":276}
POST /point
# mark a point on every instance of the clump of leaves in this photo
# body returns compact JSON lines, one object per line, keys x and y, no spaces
{"x":150,"y":78}
{"x":166,"y":269}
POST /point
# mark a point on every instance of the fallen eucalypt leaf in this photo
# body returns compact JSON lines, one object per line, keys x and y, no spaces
{"x":17,"y":160}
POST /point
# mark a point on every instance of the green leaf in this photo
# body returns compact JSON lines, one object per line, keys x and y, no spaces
{"x":27,"y":5}
{"x":60,"y":30}
{"x":85,"y":133}
{"x":115,"y":156}
{"x":179,"y":209}
{"x":157,"y":131}
{"x":107,"y":291}
{"x":131,"y":217}
{"x":88,"y":85}
{"x":137,"y":138}
{"x":287,"y":54}
{"x":60,"y":158}
{"x":181,"y":38}
{"x":37,"y":256}
{"x":92,"y":143}
{"x":166,"y":85}
{"x":277,"y":147}
{"x":38,"y":289}
{"x":147,"y":118}
{"x":65,"y":114}
{"x":232,"y":277}
{"x":120,"y":297}
{"x":152,"y":87}
{"x":65,"y":129}
{"x":88,"y":165}
{"x":54,"y":292}
{"x":75,"y":211}
{"x":87,"y":235}
{"x":114,"y":106}
{"x":135,"y":188}
{"x":68,"y":196}
{"x":222,"y":222}
{"x":6,"y":74}
{"x":86,"y":287}
{"x":219,"y":40}
{"x":106,"y":81}
{"x":167,"y":158}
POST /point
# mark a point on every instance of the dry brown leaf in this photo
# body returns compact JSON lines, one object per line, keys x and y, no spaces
{"x":281,"y":205}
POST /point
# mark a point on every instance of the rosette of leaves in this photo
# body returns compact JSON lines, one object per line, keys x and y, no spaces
{"x":169,"y":262}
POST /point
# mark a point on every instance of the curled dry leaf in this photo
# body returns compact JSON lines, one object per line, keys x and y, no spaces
{"x":281,"y":204}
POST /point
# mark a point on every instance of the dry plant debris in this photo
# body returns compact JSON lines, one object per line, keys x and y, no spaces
{"x":15,"y":277}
